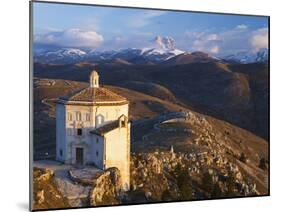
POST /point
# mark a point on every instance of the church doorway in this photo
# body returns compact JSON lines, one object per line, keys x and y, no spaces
{"x":79,"y":156}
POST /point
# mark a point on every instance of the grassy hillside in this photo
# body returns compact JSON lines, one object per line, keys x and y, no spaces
{"x":203,"y":134}
{"x":235,"y":93}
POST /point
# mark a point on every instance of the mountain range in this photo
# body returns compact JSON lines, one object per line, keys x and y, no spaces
{"x":248,"y":57}
{"x":162,"y":50}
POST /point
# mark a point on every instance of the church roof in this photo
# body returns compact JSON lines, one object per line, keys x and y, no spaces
{"x":94,"y":95}
{"x":106,"y":128}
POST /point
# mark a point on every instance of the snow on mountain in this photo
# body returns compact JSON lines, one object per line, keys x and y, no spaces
{"x":248,"y":57}
{"x":166,"y":43}
{"x":67,"y":52}
{"x":161,"y":49}
{"x":262,"y":55}
{"x":63,"y":55}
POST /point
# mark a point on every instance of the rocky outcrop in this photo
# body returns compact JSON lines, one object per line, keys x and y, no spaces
{"x":106,"y":188}
{"x":45,"y":192}
{"x":155,"y":173}
{"x":59,"y":188}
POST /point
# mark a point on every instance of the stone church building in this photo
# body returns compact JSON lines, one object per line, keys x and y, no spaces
{"x":92,"y":128}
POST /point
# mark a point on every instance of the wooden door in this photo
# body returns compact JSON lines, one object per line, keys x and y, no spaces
{"x":79,"y":156}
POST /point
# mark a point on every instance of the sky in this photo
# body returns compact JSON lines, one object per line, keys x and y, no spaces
{"x":108,"y":28}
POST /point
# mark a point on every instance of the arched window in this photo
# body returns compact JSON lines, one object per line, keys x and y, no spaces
{"x":99,"y":119}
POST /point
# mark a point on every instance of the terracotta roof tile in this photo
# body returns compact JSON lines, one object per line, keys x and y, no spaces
{"x":91,"y":94}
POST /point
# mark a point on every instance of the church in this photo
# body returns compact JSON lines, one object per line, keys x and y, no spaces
{"x":92,"y":128}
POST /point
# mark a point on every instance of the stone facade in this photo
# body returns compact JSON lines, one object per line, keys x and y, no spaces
{"x":92,"y":128}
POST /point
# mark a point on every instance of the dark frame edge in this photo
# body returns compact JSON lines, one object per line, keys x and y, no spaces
{"x":30,"y":105}
{"x":269,"y":178}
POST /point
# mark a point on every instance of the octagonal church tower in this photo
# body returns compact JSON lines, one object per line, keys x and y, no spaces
{"x":92,"y":128}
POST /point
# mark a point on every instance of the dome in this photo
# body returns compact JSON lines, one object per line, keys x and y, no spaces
{"x":94,"y":95}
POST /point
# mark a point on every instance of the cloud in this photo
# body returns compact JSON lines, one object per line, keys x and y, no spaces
{"x":212,"y":37}
{"x":71,"y":38}
{"x":134,"y":40}
{"x":204,"y":41}
{"x":143,"y":19}
{"x":215,"y":50}
{"x":242,"y":26}
{"x":259,"y":39}
{"x":238,"y":39}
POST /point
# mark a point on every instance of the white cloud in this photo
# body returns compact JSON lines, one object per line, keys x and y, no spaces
{"x":204,"y":41}
{"x":259,"y":39}
{"x":242,"y":26}
{"x":212,"y":37}
{"x":71,"y":38}
{"x":238,"y":39}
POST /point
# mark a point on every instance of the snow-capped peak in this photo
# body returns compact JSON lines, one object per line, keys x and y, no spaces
{"x":67,"y":52}
{"x":166,"y":43}
{"x":164,"y":46}
{"x":161,"y":49}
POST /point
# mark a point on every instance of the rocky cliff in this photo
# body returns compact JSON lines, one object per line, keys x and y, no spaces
{"x":107,"y":188}
{"x":45,"y":192}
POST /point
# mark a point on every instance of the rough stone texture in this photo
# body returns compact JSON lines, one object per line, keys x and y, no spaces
{"x":78,"y":186}
{"x":85,"y":176}
{"x":206,"y":151}
{"x":45,"y":192}
{"x":106,"y":188}
{"x":76,"y":194}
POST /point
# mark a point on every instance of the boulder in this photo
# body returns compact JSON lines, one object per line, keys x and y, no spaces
{"x":107,"y":188}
